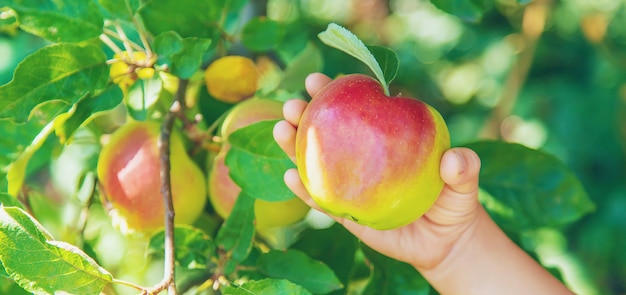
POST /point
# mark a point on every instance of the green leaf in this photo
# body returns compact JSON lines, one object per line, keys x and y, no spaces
{"x":335,"y":246}
{"x":122,"y":9}
{"x":59,"y":20}
{"x":262,"y":34}
{"x":468,"y":10}
{"x":84,"y":110}
{"x":183,"y":56}
{"x":9,"y":201}
{"x":344,"y":40}
{"x":256,"y":163}
{"x":266,"y":287}
{"x":64,"y":71}
{"x":309,"y":60}
{"x":235,"y":235}
{"x":194,"y":248}
{"x":3,"y":272}
{"x":528,"y":189}
{"x":190,"y":18}
{"x":17,"y":170}
{"x":388,"y":61}
{"x":393,"y":277}
{"x":299,"y":268}
{"x":41,"y":265}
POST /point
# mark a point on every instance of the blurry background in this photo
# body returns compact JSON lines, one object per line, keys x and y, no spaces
{"x":547,"y":74}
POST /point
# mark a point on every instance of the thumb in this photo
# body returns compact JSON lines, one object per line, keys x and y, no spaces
{"x":458,"y":200}
{"x":459,"y":170}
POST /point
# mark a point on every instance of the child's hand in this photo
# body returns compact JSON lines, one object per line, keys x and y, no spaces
{"x":425,"y":242}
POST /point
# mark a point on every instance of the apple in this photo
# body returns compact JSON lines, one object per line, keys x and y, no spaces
{"x":223,"y":192}
{"x":129,"y":174}
{"x":370,"y":157}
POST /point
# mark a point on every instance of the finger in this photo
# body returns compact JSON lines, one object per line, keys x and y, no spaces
{"x":459,"y":170}
{"x":293,"y":109}
{"x":285,"y":136}
{"x":314,"y":82}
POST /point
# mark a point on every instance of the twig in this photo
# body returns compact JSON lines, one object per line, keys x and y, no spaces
{"x":166,"y":191}
{"x":534,"y":19}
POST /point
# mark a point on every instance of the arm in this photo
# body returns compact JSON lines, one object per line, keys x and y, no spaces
{"x":485,"y":261}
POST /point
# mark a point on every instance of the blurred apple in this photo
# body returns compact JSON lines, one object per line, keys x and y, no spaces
{"x":129,"y":172}
{"x":223,"y":192}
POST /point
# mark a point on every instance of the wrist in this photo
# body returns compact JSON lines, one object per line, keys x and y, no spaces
{"x":485,"y":261}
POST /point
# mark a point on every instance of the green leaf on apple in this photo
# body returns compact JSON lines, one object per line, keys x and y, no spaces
{"x":236,"y":234}
{"x":36,"y":262}
{"x":388,"y":61}
{"x":194,"y":248}
{"x":528,"y":189}
{"x":299,"y":268}
{"x":266,"y":287}
{"x":341,"y":38}
{"x":256,"y":163}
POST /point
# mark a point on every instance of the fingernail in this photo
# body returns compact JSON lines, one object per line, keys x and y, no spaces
{"x":462,"y":164}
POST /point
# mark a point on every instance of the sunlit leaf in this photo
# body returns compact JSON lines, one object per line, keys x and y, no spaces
{"x":84,"y":110}
{"x":64,"y":71}
{"x":58,"y":20}
{"x":266,"y":287}
{"x":17,"y":170}
{"x":391,"y":277}
{"x":299,"y":268}
{"x":341,"y":38}
{"x":194,"y":248}
{"x":529,"y":189}
{"x":9,"y":201}
{"x":235,"y":235}
{"x":183,"y":56}
{"x":256,"y":163}
{"x":36,"y":262}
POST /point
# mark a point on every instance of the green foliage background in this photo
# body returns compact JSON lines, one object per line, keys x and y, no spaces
{"x":549,"y":75}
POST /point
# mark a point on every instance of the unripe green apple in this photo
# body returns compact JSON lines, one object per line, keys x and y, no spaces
{"x":129,"y":171}
{"x":223,"y":191}
{"x":370,"y":157}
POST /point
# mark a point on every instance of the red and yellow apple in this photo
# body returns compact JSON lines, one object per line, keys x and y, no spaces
{"x":129,"y":172}
{"x":370,"y":157}
{"x":223,"y":192}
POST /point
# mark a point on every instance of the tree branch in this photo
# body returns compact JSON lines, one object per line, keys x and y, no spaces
{"x":177,"y":107}
{"x":533,"y":24}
